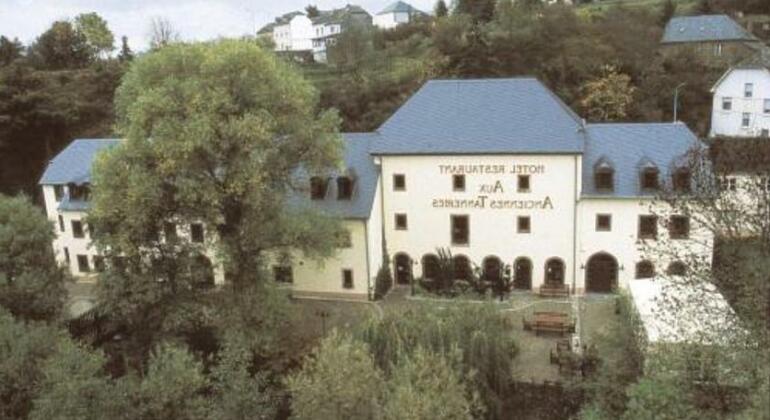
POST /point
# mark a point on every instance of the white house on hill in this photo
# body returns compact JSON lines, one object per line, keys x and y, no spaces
{"x":741,"y":106}
{"x":396,"y":14}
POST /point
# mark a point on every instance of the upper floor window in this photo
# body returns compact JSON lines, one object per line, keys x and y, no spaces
{"x":729,"y":183}
{"x":727,"y":104}
{"x":399,"y":182}
{"x":524,"y":224}
{"x":746,"y":120}
{"x":169,"y":230}
{"x":604,"y":179}
{"x":681,"y":180}
{"x":196,"y":232}
{"x":347,"y":279}
{"x":283,"y":274}
{"x":460,"y":229}
{"x":344,"y":188}
{"x":458,"y":182}
{"x":79,"y":192}
{"x":401,"y":221}
{"x":603,"y":222}
{"x":343,"y":239}
{"x":77,"y":229}
{"x":676,"y":268}
{"x":766,"y":106}
{"x":58,"y":192}
{"x":748,"y":90}
{"x":318,"y":188}
{"x":523,"y":184}
{"x":679,"y":227}
{"x":649,"y":179}
{"x":648,"y":227}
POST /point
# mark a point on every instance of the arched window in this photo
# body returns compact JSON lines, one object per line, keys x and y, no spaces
{"x":677,"y":268}
{"x":202,"y":271}
{"x":462,"y":267}
{"x":604,"y":176}
{"x":522,"y":273}
{"x":493,"y":269}
{"x":318,"y":188}
{"x":554,"y":272}
{"x":344,"y":188}
{"x":645,"y":270}
{"x":649,"y":178}
{"x":430,"y":266}
{"x":681,"y":180}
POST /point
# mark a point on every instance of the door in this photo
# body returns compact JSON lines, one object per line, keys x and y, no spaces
{"x":522,"y":274}
{"x":403,"y":269}
{"x":601,"y":273}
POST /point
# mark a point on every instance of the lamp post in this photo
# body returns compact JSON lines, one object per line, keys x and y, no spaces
{"x":676,"y":99}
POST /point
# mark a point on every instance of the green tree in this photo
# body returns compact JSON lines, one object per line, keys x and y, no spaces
{"x":479,"y":10}
{"x":98,"y":36}
{"x":23,"y":349}
{"x":31,"y":281}
{"x":10,"y":50}
{"x":667,"y":11}
{"x":352,"y":50}
{"x":607,"y":98}
{"x":125,"y":51}
{"x":440,"y":9}
{"x":659,"y":400}
{"x":312,"y":11}
{"x":230,"y":161}
{"x":162,"y":33}
{"x":61,"y":47}
{"x":340,"y":381}
{"x":425,"y":386}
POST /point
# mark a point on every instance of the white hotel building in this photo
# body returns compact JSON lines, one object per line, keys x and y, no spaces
{"x":499,"y":171}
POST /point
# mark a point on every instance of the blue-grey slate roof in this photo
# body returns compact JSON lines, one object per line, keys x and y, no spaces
{"x":358,"y":164}
{"x":630,"y":147}
{"x":399,"y":7}
{"x":73,"y":164}
{"x":705,"y":28}
{"x":487,"y":116}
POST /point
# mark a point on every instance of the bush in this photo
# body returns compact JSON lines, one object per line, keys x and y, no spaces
{"x":383,"y":282}
{"x":478,"y":332}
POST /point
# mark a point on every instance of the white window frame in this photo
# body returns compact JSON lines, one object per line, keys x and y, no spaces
{"x":727,"y":100}
{"x":746,"y":120}
{"x":748,"y":90}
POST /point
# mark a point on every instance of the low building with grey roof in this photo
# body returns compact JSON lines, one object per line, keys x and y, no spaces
{"x":718,"y":40}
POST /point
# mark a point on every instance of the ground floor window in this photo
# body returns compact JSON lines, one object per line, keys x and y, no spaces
{"x":430,"y":266}
{"x":645,"y":270}
{"x":493,"y":269}
{"x":283,"y":274}
{"x":196,"y":232}
{"x":99,"y":263}
{"x":83,"y":265}
{"x":462,"y":267}
{"x":676,"y":268}
{"x":522,"y":273}
{"x":347,"y":279}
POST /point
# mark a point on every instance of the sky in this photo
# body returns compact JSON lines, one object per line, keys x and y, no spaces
{"x":193,"y":19}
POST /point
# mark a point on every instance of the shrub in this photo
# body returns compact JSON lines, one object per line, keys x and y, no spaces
{"x":478,"y":332}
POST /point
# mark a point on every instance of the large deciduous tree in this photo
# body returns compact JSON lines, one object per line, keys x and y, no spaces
{"x":98,"y":36}
{"x":61,"y":47}
{"x":10,"y":50}
{"x":608,"y":97}
{"x":31,"y":282}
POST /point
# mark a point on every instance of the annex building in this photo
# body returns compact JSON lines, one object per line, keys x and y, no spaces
{"x":500,"y":172}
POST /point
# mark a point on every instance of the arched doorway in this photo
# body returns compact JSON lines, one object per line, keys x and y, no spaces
{"x":403,"y":268}
{"x":522,"y":274}
{"x":554,"y":273}
{"x":601,"y":273}
{"x":462,"y":267}
{"x":430,"y":266}
{"x":493,"y":269}
{"x":202,"y":271}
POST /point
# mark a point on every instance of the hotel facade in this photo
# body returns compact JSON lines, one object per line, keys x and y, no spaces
{"x":500,"y":172}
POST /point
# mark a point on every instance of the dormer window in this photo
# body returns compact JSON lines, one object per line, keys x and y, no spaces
{"x":681,"y":180}
{"x":604,"y":178}
{"x":344,"y":188}
{"x":318,"y":188}
{"x":79,"y":192}
{"x":649,"y":179}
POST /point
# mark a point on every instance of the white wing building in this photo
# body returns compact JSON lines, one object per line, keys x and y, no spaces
{"x":396,"y":14}
{"x":741,"y":106}
{"x":500,"y":172}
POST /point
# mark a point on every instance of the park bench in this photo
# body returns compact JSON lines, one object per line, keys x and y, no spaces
{"x":558,"y":322}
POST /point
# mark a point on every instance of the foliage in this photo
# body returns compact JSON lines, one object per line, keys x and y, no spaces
{"x":125,"y":51}
{"x":162,"y":33}
{"x":423,"y":386}
{"x":655,"y":399}
{"x":478,"y":10}
{"x":215,"y":133}
{"x":384,"y":280}
{"x":340,"y":381}
{"x":607,"y":98}
{"x":61,"y":47}
{"x":667,"y":11}
{"x":478,"y":332}
{"x":31,"y":281}
{"x":98,"y":36}
{"x":23,"y":348}
{"x":10,"y":50}
{"x":440,"y":9}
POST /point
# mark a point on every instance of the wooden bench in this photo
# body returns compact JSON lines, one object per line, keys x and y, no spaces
{"x":550,"y":322}
{"x":553,"y":291}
